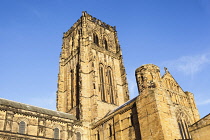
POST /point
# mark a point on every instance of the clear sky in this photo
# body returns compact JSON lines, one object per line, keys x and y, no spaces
{"x":168,"y":33}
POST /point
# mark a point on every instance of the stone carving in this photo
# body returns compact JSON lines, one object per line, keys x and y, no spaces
{"x":41,"y":131}
{"x":8,"y":121}
{"x":41,"y":127}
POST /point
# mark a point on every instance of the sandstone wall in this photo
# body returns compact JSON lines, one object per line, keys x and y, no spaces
{"x":39,"y":123}
{"x":200,"y":130}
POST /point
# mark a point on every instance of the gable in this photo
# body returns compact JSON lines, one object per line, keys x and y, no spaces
{"x":169,"y":83}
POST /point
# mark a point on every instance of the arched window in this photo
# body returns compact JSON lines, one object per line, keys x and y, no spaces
{"x":95,"y":39}
{"x":102,"y":84}
{"x":110,"y":85}
{"x":78,"y":135}
{"x":56,"y":133}
{"x":105,"y":44}
{"x":22,"y":127}
{"x":183,"y":128}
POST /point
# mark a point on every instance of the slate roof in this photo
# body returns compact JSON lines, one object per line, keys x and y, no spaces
{"x":123,"y":105}
{"x":18,"y":105}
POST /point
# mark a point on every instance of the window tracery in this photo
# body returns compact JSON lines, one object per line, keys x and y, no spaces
{"x":183,"y":124}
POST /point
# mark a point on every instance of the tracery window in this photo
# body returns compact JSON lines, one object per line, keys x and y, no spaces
{"x":56,"y":133}
{"x":95,"y":39}
{"x":102,"y":83}
{"x":183,"y":128}
{"x":22,"y":127}
{"x":110,"y":85}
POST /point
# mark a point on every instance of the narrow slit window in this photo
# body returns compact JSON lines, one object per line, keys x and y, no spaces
{"x":110,"y":130}
{"x":105,"y":44}
{"x":95,"y":39}
{"x":98,"y":135}
{"x":72,"y":89}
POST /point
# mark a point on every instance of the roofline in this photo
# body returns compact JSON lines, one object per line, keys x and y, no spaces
{"x":27,"y":107}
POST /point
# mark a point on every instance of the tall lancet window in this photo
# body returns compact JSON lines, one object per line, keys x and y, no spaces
{"x":102,"y":87}
{"x":110,"y":85}
{"x":95,"y":39}
{"x":72,"y":88}
{"x":183,"y":128}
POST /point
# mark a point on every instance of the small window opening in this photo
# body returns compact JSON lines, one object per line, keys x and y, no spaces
{"x":95,"y":39}
{"x":98,"y":135}
{"x":110,"y":130}
{"x":78,"y":135}
{"x":22,"y":127}
{"x":105,"y":44}
{"x":56,"y":133}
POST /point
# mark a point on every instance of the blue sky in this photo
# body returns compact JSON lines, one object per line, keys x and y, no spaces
{"x":168,"y":33}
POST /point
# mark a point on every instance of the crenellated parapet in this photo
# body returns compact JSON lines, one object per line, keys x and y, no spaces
{"x":88,"y":17}
{"x":75,"y":25}
{"x":91,"y":71}
{"x":98,"y":22}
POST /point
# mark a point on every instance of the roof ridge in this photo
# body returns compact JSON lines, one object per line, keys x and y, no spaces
{"x":28,"y":107}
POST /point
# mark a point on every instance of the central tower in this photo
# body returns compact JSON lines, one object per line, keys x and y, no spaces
{"x":92,"y":79}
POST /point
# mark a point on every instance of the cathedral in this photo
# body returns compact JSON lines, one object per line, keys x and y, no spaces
{"x":93,"y":99}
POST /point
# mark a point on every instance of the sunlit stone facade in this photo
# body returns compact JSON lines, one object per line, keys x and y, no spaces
{"x":93,"y":100}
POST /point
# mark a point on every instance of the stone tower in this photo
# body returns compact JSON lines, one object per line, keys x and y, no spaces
{"x":165,"y":110}
{"x":92,"y":79}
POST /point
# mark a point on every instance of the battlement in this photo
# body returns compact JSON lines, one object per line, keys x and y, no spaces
{"x":92,"y":19}
{"x":77,"y":23}
{"x":99,"y":22}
